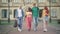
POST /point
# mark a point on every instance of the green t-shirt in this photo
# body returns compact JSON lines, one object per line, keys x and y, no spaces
{"x":35,"y":11}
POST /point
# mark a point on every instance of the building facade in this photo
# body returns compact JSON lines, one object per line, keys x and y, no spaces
{"x":53,"y":5}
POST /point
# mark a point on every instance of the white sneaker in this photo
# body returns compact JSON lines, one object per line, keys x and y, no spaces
{"x":19,"y":29}
{"x":45,"y":30}
{"x":35,"y":29}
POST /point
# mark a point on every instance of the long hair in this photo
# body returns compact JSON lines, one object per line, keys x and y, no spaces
{"x":47,"y":11}
{"x":29,"y":9}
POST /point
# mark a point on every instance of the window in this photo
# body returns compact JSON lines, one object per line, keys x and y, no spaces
{"x":27,"y":1}
{"x":53,"y":13}
{"x":17,"y":1}
{"x":15,"y":13}
{"x":52,"y":1}
{"x":4,"y":1}
{"x":40,"y":1}
{"x":4,"y":13}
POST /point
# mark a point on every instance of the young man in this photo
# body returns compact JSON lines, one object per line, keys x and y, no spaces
{"x":19,"y":17}
{"x":35,"y":12}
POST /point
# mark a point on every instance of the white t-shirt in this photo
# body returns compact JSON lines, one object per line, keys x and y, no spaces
{"x":19,"y":13}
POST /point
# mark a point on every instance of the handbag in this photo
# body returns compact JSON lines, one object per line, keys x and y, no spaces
{"x":15,"y":24}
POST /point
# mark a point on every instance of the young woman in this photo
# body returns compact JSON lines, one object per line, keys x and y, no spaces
{"x":45,"y":15}
{"x":28,"y":18}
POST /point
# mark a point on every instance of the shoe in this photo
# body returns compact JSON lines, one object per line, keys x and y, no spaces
{"x":45,"y":30}
{"x":28,"y":29}
{"x":35,"y":30}
{"x":19,"y":29}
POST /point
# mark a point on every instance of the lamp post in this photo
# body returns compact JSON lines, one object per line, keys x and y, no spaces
{"x":50,"y":9}
{"x":8,"y":11}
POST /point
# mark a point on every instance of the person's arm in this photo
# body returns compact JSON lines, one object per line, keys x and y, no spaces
{"x":38,"y":8}
{"x":32,"y":11}
{"x":16,"y":14}
{"x":48,"y":14}
{"x":25,"y":14}
{"x":42,"y":13}
{"x":22,"y":13}
{"x":38,"y":11}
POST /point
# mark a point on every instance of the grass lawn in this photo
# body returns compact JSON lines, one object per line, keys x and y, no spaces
{"x":54,"y":23}
{"x":6,"y":23}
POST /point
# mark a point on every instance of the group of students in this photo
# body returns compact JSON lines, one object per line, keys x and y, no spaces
{"x":31,"y":15}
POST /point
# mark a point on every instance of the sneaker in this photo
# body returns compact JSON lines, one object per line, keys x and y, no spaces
{"x":45,"y":30}
{"x":28,"y":29}
{"x":35,"y":30}
{"x":19,"y":29}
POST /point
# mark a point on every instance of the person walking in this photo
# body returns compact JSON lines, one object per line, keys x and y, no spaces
{"x":35,"y":13}
{"x":19,"y":18}
{"x":45,"y":16}
{"x":28,"y":18}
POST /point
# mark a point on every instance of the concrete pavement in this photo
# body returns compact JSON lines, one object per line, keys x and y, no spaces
{"x":9,"y":29}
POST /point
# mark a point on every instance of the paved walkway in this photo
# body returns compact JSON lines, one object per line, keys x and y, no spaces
{"x":9,"y":29}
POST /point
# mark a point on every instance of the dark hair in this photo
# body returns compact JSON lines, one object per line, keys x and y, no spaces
{"x":34,"y":4}
{"x":29,"y":9}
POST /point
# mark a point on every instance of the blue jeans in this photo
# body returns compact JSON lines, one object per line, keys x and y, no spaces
{"x":35,"y":23}
{"x":20,"y":20}
{"x":45,"y":19}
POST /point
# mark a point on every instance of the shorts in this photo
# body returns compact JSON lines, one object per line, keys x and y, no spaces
{"x":45,"y":18}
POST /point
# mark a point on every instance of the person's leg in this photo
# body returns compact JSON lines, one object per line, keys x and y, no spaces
{"x":35,"y":23}
{"x":45,"y":20}
{"x":21,"y":20}
{"x":44,"y":26}
{"x":27,"y":23}
{"x":30,"y":23}
{"x":19,"y":24}
{"x":29,"y":26}
{"x":18,"y":20}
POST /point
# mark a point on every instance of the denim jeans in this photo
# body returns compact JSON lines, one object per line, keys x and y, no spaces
{"x":20,"y":20}
{"x":35,"y":23}
{"x":45,"y":20}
